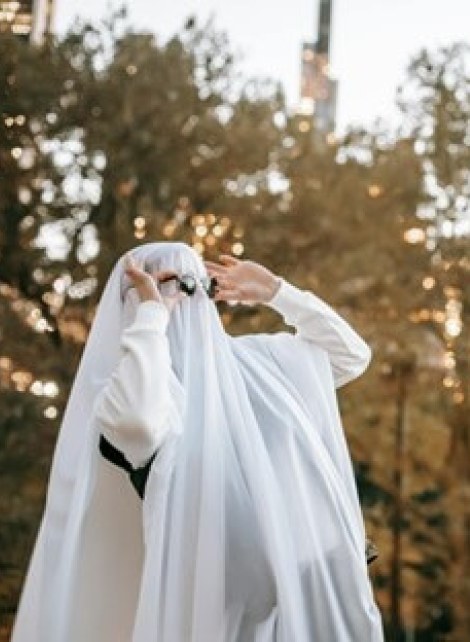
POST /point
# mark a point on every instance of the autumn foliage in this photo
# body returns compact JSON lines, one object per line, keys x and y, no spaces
{"x":109,"y":138}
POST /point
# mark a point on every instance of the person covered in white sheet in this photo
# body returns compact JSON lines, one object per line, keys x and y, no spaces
{"x":211,"y":495}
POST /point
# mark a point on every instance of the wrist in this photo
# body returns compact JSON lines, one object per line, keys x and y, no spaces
{"x":153,"y":313}
{"x":150,"y":296}
{"x":272,"y":288}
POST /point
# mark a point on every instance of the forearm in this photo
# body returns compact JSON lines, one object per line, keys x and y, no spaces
{"x":132,"y":409}
{"x":317,"y":322}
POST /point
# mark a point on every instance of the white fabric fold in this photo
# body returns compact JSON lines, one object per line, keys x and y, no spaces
{"x":251,"y":528}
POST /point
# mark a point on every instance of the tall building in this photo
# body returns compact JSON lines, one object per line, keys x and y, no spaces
{"x":318,"y":90}
{"x":28,"y":19}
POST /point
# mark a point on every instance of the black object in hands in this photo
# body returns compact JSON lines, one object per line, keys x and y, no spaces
{"x":188,"y":283}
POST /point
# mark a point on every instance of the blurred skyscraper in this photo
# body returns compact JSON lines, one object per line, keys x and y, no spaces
{"x":28,"y":19}
{"x":318,"y":89}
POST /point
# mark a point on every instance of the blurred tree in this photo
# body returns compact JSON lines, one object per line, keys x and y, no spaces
{"x":33,"y":374}
{"x":109,"y":138}
{"x":163,"y":132}
{"x":436,"y":105}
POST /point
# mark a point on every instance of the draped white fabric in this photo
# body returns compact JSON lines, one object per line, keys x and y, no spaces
{"x":251,"y":528}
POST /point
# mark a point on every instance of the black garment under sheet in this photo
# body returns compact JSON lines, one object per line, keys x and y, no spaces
{"x":137,"y":476}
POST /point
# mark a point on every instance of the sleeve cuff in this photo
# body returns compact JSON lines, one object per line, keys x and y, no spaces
{"x":284,"y":296}
{"x":292,"y":303}
{"x":152,"y":314}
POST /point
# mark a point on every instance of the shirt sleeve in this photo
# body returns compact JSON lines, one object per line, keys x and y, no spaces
{"x":132,"y":409}
{"x":315,"y":321}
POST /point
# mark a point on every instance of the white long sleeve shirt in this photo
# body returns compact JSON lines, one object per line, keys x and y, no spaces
{"x":132,"y":410}
{"x":317,"y":322}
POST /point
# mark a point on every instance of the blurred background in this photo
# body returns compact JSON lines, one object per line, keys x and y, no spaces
{"x":328,"y":140}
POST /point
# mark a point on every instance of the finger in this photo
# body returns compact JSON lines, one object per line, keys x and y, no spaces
{"x":129,"y":262}
{"x":227,"y":295}
{"x":134,"y":261}
{"x":180,"y":296}
{"x":214,"y":267}
{"x":171,"y":301}
{"x":137,"y":274}
{"x":164,"y":274}
{"x":225,"y":284}
{"x":218,"y":276}
{"x":132,"y":265}
{"x":228,"y":259}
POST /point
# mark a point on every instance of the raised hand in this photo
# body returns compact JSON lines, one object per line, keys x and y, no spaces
{"x":242,"y":280}
{"x":146,"y":283}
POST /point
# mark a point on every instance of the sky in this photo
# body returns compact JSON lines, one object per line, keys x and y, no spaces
{"x":372,"y":40}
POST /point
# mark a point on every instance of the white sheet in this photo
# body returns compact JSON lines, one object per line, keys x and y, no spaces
{"x":251,"y":529}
